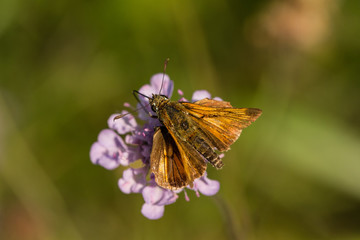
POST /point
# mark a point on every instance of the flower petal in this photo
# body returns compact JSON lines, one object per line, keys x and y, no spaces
{"x":96,"y":152}
{"x":107,"y":150}
{"x":147,"y":90}
{"x":169,"y":197}
{"x":133,"y":181}
{"x":122,"y":125}
{"x":166,"y":86}
{"x":200,"y":94}
{"x":153,"y":194}
{"x":99,"y":156}
{"x":207,"y":186}
{"x":152,"y":212}
{"x":111,"y":141}
{"x":125,"y":186}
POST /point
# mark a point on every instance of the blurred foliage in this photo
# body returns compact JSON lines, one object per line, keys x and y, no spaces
{"x":65,"y":66}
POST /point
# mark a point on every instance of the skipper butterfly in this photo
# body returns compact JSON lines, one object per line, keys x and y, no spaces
{"x":191,"y":135}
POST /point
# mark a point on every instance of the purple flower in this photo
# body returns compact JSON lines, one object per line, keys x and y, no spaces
{"x":125,"y":142}
{"x":206,"y":186}
{"x":133,"y":180}
{"x":155,"y":200}
{"x":109,"y":151}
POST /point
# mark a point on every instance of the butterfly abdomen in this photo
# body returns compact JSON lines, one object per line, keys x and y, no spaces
{"x":205,"y":150}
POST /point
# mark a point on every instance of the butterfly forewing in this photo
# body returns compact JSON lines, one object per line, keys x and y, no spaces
{"x":219,"y":121}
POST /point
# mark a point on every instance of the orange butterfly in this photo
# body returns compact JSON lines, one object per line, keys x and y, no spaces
{"x":190,"y":135}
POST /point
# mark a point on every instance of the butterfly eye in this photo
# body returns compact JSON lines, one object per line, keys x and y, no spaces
{"x":153,"y":107}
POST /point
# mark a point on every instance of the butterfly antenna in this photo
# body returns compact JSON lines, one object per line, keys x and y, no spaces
{"x":125,"y":114}
{"x":162,"y":81}
{"x":137,"y":98}
{"x":136,"y":93}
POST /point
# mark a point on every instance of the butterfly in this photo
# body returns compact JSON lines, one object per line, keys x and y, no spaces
{"x":191,"y":135}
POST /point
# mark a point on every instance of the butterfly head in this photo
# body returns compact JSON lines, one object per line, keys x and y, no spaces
{"x":157,"y":101}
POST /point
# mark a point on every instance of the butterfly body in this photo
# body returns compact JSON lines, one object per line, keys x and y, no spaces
{"x":190,"y":135}
{"x":174,"y":116}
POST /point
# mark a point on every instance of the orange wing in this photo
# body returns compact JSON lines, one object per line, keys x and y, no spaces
{"x":219,"y":121}
{"x":175,"y":164}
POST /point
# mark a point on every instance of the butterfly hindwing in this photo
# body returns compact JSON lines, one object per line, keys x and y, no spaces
{"x":174,"y":163}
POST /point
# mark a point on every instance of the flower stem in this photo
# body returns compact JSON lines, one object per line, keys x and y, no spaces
{"x":235,"y":230}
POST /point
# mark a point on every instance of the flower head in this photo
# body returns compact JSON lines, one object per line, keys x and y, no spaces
{"x":125,"y":141}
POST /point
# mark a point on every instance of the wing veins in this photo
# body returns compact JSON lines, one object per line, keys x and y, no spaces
{"x":184,"y":180}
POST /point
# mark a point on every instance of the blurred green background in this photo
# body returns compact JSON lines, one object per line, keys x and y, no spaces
{"x":65,"y":66}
